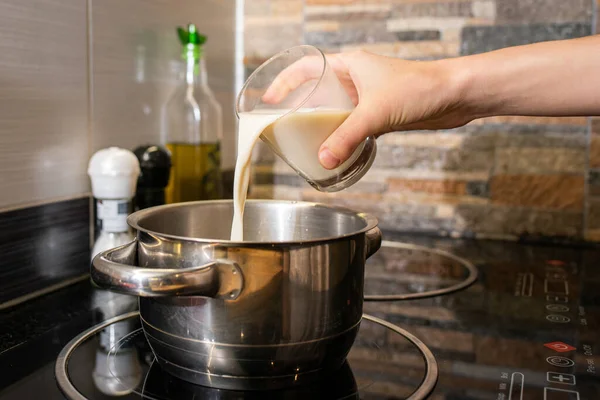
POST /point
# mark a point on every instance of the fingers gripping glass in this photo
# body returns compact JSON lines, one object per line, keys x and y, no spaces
{"x":303,"y":103}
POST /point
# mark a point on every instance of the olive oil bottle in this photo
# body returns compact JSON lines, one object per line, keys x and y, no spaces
{"x":197,"y":171}
{"x":192,"y":128}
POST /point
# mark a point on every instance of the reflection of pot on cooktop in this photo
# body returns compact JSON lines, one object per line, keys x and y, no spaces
{"x":161,"y":385}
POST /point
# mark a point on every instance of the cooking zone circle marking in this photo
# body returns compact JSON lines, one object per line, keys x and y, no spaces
{"x":421,"y":391}
{"x":470,"y":278}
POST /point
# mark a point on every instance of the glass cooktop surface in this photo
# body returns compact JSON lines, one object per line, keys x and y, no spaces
{"x":445,"y":319}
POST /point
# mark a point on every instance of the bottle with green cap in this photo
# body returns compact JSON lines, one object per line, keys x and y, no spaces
{"x":192,"y":128}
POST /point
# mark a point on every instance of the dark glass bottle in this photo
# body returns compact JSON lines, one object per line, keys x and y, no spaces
{"x":155,"y":166}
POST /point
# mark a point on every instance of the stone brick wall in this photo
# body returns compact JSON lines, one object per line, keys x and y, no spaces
{"x":503,"y":177}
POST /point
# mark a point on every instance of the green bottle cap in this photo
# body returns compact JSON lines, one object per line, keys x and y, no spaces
{"x":191,"y":40}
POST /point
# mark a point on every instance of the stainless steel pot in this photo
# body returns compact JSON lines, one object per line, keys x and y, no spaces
{"x":273,"y":311}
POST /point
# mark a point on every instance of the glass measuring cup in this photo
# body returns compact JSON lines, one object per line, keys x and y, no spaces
{"x":312,"y":105}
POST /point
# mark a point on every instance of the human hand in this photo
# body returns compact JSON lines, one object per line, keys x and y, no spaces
{"x":390,"y":95}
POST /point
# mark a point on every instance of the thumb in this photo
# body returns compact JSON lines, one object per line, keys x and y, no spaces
{"x":340,"y":145}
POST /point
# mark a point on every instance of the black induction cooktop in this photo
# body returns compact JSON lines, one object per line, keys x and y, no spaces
{"x":444,"y":319}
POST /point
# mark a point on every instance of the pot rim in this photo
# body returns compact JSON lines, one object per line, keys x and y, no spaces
{"x":133,"y":221}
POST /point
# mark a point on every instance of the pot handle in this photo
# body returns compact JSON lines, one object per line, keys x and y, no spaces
{"x":373,"y":237}
{"x":116,"y":270}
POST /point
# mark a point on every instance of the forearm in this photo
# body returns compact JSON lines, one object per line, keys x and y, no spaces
{"x":545,"y":79}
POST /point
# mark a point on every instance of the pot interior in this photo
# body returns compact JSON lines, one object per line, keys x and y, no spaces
{"x":265,"y":221}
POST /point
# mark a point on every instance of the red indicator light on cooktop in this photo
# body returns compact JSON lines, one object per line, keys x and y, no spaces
{"x":560,"y":347}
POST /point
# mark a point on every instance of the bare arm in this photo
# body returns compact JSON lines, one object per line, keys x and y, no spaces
{"x":560,"y":78}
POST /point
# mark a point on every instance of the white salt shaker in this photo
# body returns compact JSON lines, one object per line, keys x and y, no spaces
{"x":114,"y":172}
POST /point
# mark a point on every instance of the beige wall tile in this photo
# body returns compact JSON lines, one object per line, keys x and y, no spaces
{"x":273,"y":20}
{"x":322,"y":26}
{"x":43,"y":108}
{"x":409,"y":50}
{"x":329,"y":2}
{"x":445,"y":140}
{"x":427,"y":186}
{"x":515,"y":119}
{"x":407,"y":173}
{"x":287,"y":7}
{"x":484,"y":9}
{"x":358,"y":7}
{"x":134,"y":50}
{"x":536,"y":160}
{"x":424,"y":1}
{"x":257,"y":7}
{"x":561,"y":192}
{"x":424,"y":23}
{"x":265,"y":39}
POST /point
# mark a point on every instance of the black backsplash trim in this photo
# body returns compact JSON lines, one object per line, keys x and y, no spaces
{"x":43,"y":246}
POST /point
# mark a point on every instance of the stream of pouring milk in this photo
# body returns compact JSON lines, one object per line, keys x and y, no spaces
{"x":250,"y":127}
{"x":297,"y":136}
